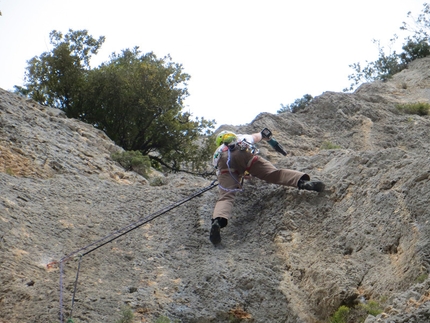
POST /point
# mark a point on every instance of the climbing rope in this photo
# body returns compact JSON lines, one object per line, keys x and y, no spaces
{"x":111,"y":237}
{"x":240,"y":189}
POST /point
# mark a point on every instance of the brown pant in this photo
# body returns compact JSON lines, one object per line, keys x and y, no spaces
{"x":239,"y":162}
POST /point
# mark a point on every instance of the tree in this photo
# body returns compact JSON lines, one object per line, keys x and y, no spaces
{"x":57,"y":78}
{"x":381,"y":69}
{"x":297,"y":105}
{"x":417,"y":45}
{"x":414,"y":47}
{"x":136,"y":99}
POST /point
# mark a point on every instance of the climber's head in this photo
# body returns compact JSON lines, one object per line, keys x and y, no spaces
{"x":225,"y":137}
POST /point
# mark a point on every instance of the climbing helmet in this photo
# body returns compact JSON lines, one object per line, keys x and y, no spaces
{"x":225,"y":137}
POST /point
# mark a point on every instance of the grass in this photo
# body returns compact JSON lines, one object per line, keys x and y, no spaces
{"x":329,"y":145}
{"x":418,"y":108}
{"x":422,"y":278}
{"x":133,"y":161}
{"x":10,"y":171}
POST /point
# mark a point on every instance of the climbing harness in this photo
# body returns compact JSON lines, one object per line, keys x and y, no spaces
{"x":245,"y":146}
{"x":242,"y":145}
{"x":109,"y":238}
{"x":240,"y":189}
{"x":231,"y":143}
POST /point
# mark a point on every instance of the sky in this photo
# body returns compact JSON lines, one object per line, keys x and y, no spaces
{"x":244,"y":57}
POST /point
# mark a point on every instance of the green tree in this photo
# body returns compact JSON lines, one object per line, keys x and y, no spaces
{"x":57,"y":78}
{"x":381,"y":69}
{"x":136,"y":99}
{"x":297,"y":105}
{"x":415,"y":46}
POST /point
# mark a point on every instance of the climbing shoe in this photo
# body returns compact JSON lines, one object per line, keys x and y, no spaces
{"x":311,"y":185}
{"x":215,"y":235}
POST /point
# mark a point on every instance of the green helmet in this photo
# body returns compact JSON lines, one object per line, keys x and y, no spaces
{"x":225,"y":137}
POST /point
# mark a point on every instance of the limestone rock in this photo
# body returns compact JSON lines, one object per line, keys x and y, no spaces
{"x":286,"y":256}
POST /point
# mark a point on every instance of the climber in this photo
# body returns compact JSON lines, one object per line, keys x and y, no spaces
{"x":235,"y":157}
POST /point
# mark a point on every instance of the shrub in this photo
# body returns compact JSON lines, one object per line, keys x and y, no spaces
{"x":158,"y":181}
{"x":133,"y":161}
{"x":372,"y":307}
{"x":341,"y":315}
{"x":163,"y":319}
{"x":419,"y":108}
{"x":422,"y":278}
{"x":10,"y":171}
{"x":329,"y":145}
{"x":126,"y":315}
{"x":297,"y":105}
{"x":415,"y":46}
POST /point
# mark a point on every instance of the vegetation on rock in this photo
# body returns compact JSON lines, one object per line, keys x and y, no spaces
{"x":136,"y":99}
{"x":414,"y":46}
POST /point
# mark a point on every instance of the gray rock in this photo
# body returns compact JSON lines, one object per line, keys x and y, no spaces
{"x":286,"y":256}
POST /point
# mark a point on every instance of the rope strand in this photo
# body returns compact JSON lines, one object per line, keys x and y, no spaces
{"x":240,"y":189}
{"x":113,"y":236}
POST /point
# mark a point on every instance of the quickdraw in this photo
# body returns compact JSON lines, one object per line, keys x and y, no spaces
{"x":244,"y":146}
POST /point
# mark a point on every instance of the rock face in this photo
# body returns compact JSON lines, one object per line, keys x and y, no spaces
{"x":286,"y":256}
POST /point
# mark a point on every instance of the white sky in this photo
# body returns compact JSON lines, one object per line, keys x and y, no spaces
{"x":244,"y":56}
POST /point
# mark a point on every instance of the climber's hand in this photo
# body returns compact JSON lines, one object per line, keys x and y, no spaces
{"x":266,"y":133}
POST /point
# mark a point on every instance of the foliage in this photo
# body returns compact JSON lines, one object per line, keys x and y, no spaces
{"x":381,"y":69}
{"x":9,"y":171}
{"x":422,"y":278}
{"x":419,"y":108}
{"x":136,"y":99}
{"x":57,"y":78}
{"x":126,"y":315}
{"x":164,"y":319}
{"x":158,"y":181}
{"x":329,"y":145}
{"x":356,"y":313}
{"x":372,"y":307}
{"x":133,"y":161}
{"x":297,"y":105}
{"x":415,"y":46}
{"x":341,"y":315}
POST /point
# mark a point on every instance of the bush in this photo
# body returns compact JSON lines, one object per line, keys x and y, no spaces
{"x":133,"y":161}
{"x":329,"y":145}
{"x":341,"y":315}
{"x":9,"y":171}
{"x":163,"y":319}
{"x":158,"y":181}
{"x":419,"y":108}
{"x":372,"y":307}
{"x":422,"y":278}
{"x":126,"y":315}
{"x":415,"y":46}
{"x":297,"y":105}
{"x":357,"y":313}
